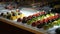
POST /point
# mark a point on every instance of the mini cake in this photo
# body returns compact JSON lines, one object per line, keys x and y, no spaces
{"x":16,"y":15}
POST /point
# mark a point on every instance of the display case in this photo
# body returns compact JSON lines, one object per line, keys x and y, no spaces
{"x":41,"y":23}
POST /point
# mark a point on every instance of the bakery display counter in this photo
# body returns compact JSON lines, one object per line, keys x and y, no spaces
{"x":38,"y":22}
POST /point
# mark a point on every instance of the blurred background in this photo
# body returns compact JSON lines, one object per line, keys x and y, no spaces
{"x":36,"y":4}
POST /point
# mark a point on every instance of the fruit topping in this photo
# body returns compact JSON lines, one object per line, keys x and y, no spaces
{"x":19,"y":20}
{"x":2,"y":14}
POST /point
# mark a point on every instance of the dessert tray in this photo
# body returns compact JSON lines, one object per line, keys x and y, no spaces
{"x":38,"y":22}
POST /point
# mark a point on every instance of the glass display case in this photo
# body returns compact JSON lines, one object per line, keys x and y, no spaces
{"x":38,"y":17}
